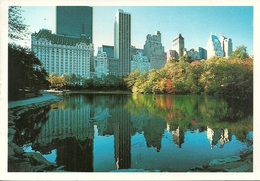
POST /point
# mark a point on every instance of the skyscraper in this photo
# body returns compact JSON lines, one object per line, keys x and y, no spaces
{"x":226,"y":44}
{"x":122,"y":42}
{"x":214,"y":47}
{"x":154,"y":50}
{"x":178,"y":45}
{"x":74,"y":21}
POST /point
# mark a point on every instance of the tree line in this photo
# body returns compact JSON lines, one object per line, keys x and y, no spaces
{"x":76,"y":82}
{"x":219,"y":76}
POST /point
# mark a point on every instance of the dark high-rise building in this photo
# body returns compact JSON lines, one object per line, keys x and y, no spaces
{"x":74,"y":20}
{"x":122,"y":42}
{"x":109,"y":50}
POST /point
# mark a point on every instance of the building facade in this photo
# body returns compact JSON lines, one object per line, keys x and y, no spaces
{"x":214,"y":47}
{"x":140,"y":62}
{"x":122,"y":42}
{"x":227,"y":45}
{"x":193,"y":54}
{"x":74,"y":21}
{"x":63,"y":54}
{"x":178,"y":45}
{"x":202,"y":53}
{"x":101,"y":63}
{"x":109,"y":50}
{"x":171,"y":54}
{"x":154,"y":50}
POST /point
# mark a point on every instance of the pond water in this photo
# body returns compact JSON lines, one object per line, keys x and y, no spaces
{"x":100,"y":133}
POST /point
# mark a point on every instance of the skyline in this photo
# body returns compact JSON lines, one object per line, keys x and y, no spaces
{"x":195,"y":26}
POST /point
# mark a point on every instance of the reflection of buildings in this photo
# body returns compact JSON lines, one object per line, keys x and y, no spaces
{"x":178,"y":137}
{"x":67,"y":123}
{"x":153,"y":132}
{"x":71,"y":133}
{"x":76,"y":155}
{"x":220,"y":136}
{"x":122,"y":142}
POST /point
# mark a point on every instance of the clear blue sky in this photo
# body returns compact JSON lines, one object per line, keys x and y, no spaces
{"x":195,"y":23}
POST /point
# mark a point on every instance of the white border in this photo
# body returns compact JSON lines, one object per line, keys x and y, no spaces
{"x":4,"y":175}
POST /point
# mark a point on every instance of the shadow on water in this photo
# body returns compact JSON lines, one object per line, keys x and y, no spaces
{"x":137,"y":131}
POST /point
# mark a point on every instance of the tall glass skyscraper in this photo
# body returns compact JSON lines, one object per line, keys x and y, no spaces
{"x":122,"y":42}
{"x":74,"y":21}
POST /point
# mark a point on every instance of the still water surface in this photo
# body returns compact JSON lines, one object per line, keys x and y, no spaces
{"x":100,"y":133}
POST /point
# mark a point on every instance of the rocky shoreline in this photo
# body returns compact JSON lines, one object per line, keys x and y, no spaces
{"x":18,"y":160}
{"x":242,"y":163}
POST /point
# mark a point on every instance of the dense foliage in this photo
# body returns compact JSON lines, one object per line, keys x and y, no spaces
{"x":76,"y":82}
{"x":224,"y":77}
{"x":25,"y":72}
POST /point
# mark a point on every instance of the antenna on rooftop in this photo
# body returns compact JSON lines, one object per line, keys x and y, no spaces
{"x":45,"y":23}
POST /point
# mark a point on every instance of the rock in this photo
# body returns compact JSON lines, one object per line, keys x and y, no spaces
{"x":11,"y":123}
{"x":20,"y":167}
{"x":245,"y":167}
{"x":16,"y":149}
{"x":61,"y":167}
{"x":224,"y":160}
{"x":10,"y":151}
{"x":12,"y":158}
{"x":37,"y":159}
{"x":135,"y":170}
{"x":11,"y":131}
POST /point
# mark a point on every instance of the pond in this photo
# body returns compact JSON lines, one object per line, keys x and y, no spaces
{"x":100,"y":133}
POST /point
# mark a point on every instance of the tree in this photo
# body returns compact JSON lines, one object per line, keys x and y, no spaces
{"x":239,"y":53}
{"x":25,"y":71}
{"x":17,"y":30}
{"x":56,"y":81}
{"x":194,"y":71}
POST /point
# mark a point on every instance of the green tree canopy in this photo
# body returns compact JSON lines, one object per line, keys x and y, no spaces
{"x":240,"y":53}
{"x":25,"y":71}
{"x":17,"y":30}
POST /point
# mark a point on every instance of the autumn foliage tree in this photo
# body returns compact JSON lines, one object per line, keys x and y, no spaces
{"x":219,"y":76}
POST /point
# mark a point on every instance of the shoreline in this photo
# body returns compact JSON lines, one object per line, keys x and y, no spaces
{"x":71,"y":92}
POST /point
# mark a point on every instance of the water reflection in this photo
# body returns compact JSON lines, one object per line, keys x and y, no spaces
{"x":137,"y":131}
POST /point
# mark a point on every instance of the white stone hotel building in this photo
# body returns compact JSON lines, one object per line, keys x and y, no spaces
{"x":63,"y":54}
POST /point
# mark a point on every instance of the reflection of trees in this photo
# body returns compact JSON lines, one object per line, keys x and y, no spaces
{"x":29,"y":125}
{"x":192,"y":112}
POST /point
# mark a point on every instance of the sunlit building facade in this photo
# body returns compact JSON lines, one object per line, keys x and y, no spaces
{"x":140,"y":62}
{"x":101,"y":63}
{"x":122,"y":42}
{"x":178,"y":45}
{"x":63,"y":54}
{"x":193,"y":54}
{"x":227,"y":45}
{"x":214,"y":47}
{"x":154,"y":50}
